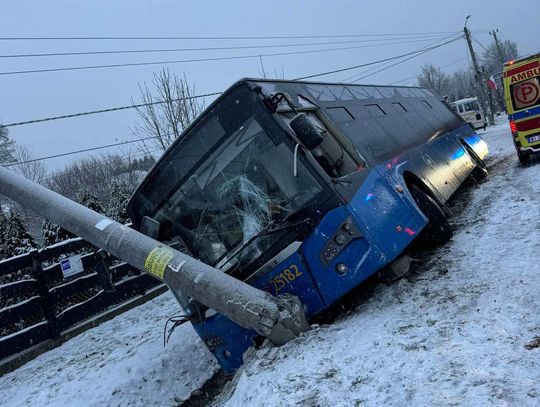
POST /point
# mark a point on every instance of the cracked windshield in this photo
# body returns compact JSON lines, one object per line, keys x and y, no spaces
{"x":244,"y":186}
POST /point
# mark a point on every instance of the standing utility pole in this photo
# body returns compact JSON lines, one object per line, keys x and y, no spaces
{"x":494,"y":33}
{"x":480,"y":77}
{"x":499,"y":93}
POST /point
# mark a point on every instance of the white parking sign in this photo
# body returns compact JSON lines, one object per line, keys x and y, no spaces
{"x":71,"y":266}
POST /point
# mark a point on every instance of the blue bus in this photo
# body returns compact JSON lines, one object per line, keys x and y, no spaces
{"x":305,"y":188}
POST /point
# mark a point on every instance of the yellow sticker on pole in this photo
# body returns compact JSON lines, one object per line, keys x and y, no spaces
{"x":157,"y":260}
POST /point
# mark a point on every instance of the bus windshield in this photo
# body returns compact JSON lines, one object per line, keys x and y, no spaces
{"x":234,"y":179}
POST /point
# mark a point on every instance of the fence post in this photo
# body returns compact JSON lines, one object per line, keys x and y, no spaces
{"x":43,"y":290}
{"x":102,"y":269}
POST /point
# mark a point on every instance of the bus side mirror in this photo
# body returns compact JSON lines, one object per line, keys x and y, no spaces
{"x":308,"y":134}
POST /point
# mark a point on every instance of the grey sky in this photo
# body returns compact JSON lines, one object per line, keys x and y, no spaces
{"x":24,"y":97}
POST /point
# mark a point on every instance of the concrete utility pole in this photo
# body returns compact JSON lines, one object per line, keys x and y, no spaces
{"x":499,"y":51}
{"x":278,"y":318}
{"x":481,"y":80}
{"x":499,"y":93}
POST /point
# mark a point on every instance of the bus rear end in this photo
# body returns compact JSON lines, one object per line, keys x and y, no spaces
{"x":522,"y":94}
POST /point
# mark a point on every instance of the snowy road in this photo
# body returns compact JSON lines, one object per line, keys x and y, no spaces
{"x":454,"y":332}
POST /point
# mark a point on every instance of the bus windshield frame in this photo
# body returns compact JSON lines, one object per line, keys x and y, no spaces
{"x":236,"y":182}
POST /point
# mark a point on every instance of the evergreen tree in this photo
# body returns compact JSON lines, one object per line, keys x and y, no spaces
{"x":118,"y":202}
{"x":89,"y":200}
{"x":52,"y":233}
{"x":15,"y":237}
{"x":7,"y":148}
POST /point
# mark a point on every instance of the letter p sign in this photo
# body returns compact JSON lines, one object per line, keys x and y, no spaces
{"x":526,"y":93}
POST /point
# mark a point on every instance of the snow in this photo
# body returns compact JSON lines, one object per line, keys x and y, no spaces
{"x":120,"y":362}
{"x":453,"y":332}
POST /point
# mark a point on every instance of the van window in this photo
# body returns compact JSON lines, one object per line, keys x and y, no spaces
{"x":471,"y":106}
{"x":460,"y":107}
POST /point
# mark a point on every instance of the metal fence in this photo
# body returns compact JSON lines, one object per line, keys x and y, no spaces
{"x":39,"y":301}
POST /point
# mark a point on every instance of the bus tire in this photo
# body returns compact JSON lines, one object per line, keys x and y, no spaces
{"x":480,"y":171}
{"x":438,"y":230}
{"x":524,"y":157}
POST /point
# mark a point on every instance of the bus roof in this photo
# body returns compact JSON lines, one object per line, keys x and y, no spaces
{"x":329,"y":95}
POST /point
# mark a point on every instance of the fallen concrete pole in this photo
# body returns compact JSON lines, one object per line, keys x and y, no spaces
{"x":278,"y":318}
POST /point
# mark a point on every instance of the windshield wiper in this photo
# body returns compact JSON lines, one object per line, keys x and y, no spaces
{"x":264,"y":232}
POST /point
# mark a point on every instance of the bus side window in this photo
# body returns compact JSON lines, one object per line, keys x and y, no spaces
{"x":330,"y":155}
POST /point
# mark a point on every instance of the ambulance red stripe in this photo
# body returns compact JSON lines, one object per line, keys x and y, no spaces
{"x":527,"y":125}
{"x":523,"y":68}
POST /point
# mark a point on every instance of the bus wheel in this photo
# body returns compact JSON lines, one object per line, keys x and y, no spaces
{"x":524,"y":157}
{"x":438,"y":230}
{"x":480,"y":171}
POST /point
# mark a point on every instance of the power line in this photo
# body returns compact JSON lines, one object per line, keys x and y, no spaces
{"x":406,"y":59}
{"x":348,"y":78}
{"x":111,"y":109}
{"x":389,"y":64}
{"x":130,"y":157}
{"x":479,"y":43}
{"x":377,"y":62}
{"x":442,"y":67}
{"x":139,"y":51}
{"x":372,"y":69}
{"x":84,"y":150}
{"x":416,"y":53}
{"x":274,"y":37}
{"x":87,"y":67}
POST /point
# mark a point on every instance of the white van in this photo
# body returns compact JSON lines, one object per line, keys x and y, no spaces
{"x":469,"y":110}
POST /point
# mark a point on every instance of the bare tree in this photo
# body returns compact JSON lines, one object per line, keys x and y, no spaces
{"x":33,"y":170}
{"x":492,"y":61}
{"x":98,"y":174}
{"x":434,"y":78}
{"x":461,"y":85}
{"x":94,"y":174}
{"x":169,"y":109}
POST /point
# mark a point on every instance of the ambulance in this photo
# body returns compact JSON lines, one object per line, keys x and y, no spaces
{"x":521,"y":80}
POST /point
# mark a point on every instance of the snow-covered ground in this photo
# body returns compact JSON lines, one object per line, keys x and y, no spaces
{"x":453,"y":332}
{"x":121,"y":362}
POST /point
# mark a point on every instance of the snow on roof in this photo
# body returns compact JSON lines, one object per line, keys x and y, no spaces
{"x":466,"y":100}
